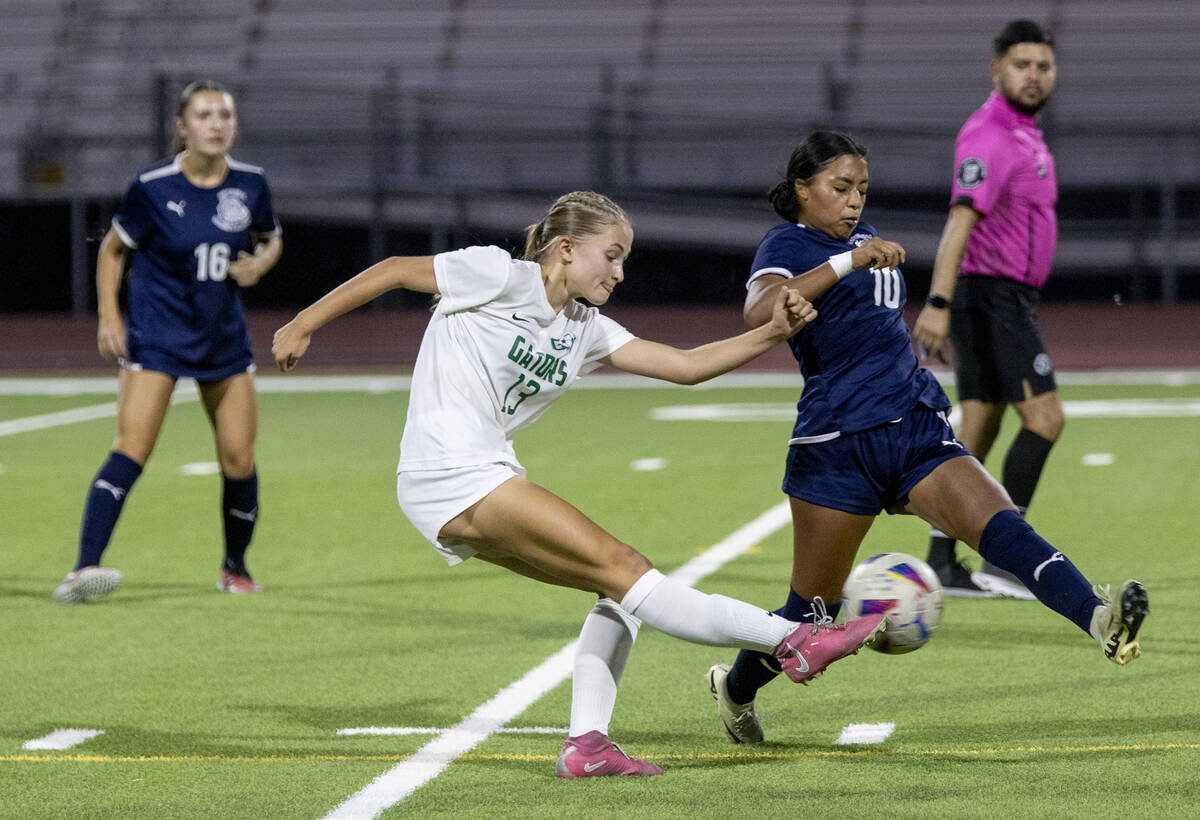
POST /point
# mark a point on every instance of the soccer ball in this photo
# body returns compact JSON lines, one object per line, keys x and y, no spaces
{"x":903,"y":587}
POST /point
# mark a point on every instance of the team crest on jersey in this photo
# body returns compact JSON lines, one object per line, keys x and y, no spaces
{"x":564,"y":342}
{"x":232,"y":214}
{"x":859,"y":239}
{"x":971,"y":173}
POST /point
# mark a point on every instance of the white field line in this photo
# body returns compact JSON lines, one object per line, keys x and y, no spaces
{"x":785,"y":412}
{"x":384,"y":383}
{"x":423,"y":730}
{"x":430,"y":760}
{"x":31,"y":423}
{"x":865,"y":733}
{"x":77,"y":414}
{"x":735,"y":411}
{"x":61,"y":739}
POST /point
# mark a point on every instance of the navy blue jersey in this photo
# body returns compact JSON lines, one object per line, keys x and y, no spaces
{"x":183,"y":306}
{"x":858,"y":364}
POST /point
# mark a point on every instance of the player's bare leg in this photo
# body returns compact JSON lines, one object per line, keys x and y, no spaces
{"x":143,"y":397}
{"x":977,"y":431}
{"x":1041,"y":424}
{"x":520,"y":519}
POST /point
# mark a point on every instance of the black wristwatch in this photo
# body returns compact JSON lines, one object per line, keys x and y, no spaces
{"x":939,"y":302}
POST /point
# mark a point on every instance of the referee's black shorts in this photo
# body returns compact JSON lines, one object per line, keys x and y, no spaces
{"x":997,"y":345}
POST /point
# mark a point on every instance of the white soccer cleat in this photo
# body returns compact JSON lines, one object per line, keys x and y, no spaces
{"x":1001,"y":583}
{"x":1115,"y":625}
{"x":740,"y":722}
{"x":87,"y":584}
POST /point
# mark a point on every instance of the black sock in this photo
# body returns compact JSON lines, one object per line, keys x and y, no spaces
{"x":941,"y":549}
{"x":1023,"y":466}
{"x":754,"y":670}
{"x":239,"y":506}
{"x":105,"y":499}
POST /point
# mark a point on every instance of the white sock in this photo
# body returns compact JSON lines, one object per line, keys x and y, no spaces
{"x":695,"y":616}
{"x":604,"y":642}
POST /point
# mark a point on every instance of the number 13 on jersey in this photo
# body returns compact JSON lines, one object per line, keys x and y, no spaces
{"x":521,"y":389}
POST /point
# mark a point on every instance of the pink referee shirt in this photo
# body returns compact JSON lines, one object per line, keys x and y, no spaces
{"x":1005,"y":172}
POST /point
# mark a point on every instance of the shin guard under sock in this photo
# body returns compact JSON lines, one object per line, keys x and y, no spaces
{"x":1011,"y":544}
{"x":105,"y":499}
{"x":239,"y":510}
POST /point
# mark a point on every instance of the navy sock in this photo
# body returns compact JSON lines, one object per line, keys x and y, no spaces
{"x":1010,"y":543}
{"x":239,"y":507}
{"x":107,"y":495}
{"x":1023,"y":466}
{"x":754,"y":670}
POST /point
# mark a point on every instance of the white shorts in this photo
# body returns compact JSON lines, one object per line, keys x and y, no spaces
{"x":430,"y":498}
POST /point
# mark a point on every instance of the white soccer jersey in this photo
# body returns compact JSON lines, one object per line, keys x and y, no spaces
{"x":493,"y":358}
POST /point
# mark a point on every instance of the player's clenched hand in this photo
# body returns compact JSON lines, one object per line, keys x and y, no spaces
{"x":110,"y":339}
{"x":930,"y":332}
{"x":791,"y":312}
{"x":247,"y":269}
{"x":289,"y":345}
{"x":877,"y":253}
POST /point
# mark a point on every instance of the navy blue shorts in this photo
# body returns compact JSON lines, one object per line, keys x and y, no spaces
{"x":867,"y":472}
{"x":143,"y":357}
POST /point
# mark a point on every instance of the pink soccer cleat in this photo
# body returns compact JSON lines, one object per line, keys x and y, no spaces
{"x":594,"y":755}
{"x":238,"y":584}
{"x":806,"y":651}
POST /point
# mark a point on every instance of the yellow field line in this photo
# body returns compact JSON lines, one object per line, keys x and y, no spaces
{"x":763,"y":755}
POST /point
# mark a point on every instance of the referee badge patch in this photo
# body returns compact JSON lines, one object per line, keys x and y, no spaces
{"x":971,"y":172}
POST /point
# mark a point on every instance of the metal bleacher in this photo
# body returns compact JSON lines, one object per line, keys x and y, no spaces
{"x":381,"y":109}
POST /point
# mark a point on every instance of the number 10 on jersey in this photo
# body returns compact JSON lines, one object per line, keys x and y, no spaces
{"x":887,"y":287}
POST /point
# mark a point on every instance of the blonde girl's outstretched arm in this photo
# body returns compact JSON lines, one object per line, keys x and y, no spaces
{"x":409,"y":272}
{"x":790,"y":313}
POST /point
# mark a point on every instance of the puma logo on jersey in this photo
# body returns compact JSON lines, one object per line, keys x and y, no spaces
{"x":117,"y":492}
{"x":177,"y":207}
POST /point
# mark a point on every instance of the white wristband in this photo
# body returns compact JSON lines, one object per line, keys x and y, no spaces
{"x":841,"y":263}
